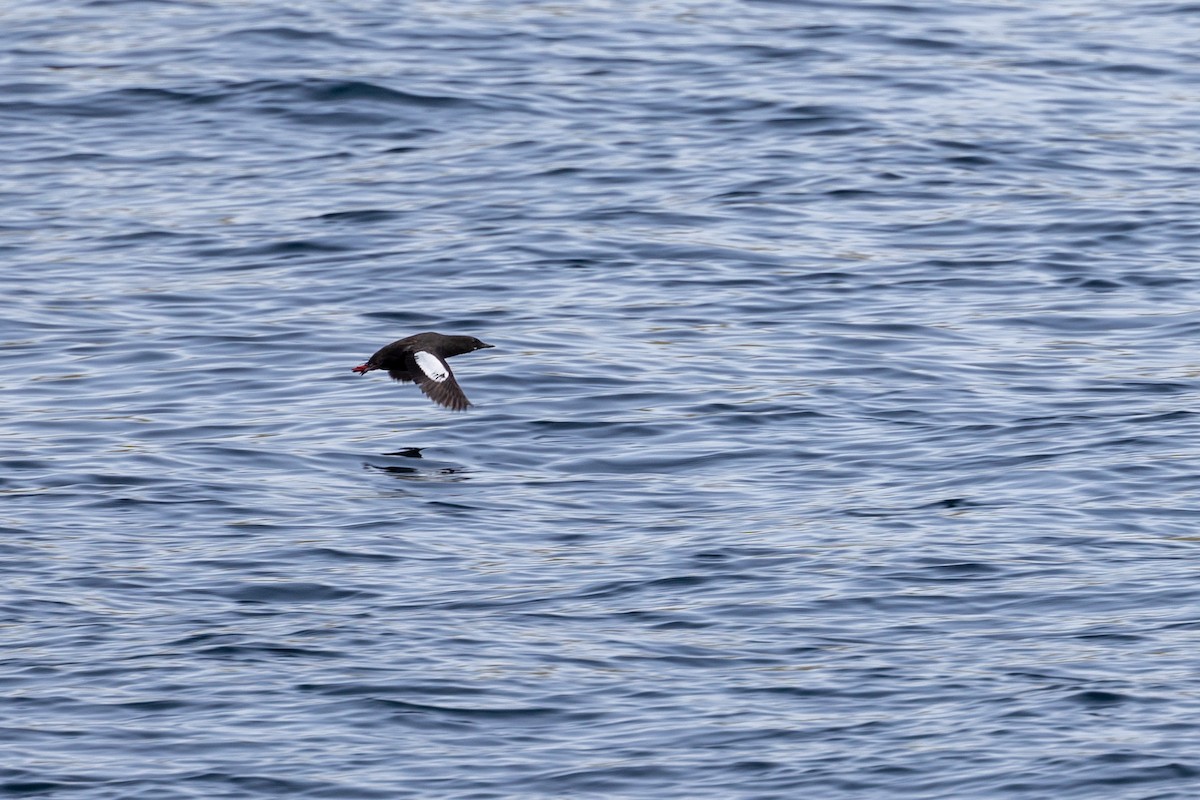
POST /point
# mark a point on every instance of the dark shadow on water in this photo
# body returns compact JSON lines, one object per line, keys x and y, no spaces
{"x":444,"y":475}
{"x":414,"y":473}
{"x":408,"y":452}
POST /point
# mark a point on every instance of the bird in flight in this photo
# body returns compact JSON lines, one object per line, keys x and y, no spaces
{"x":421,"y":358}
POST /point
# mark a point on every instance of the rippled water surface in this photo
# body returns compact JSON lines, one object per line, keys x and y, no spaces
{"x":839,"y":441}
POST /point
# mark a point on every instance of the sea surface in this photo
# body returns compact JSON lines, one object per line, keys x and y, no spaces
{"x":841,"y":439}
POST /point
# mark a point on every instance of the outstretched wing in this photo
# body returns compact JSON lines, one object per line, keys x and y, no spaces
{"x":401,"y":375}
{"x":434,"y":377}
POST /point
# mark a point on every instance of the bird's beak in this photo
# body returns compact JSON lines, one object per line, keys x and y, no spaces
{"x":483,"y":345}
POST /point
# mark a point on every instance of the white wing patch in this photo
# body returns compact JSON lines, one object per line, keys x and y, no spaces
{"x":432,"y":366}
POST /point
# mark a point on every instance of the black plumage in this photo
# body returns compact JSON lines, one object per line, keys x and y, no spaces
{"x":421,"y":358}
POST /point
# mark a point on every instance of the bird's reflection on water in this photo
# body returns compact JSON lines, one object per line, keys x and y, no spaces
{"x":408,"y":452}
{"x":422,"y":473}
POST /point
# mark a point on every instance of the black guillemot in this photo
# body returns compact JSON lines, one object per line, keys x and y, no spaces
{"x":421,"y":358}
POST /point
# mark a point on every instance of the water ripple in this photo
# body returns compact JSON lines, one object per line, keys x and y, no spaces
{"x":837,"y":440}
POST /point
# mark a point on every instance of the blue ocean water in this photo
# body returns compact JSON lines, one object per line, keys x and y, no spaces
{"x":839,"y":441}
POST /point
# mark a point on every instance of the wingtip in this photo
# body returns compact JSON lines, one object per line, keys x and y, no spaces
{"x":454,"y":403}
